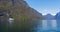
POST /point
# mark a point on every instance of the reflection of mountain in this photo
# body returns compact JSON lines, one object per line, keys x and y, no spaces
{"x":57,"y":16}
{"x":48,"y":17}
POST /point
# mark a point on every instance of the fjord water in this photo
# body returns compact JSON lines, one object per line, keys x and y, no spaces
{"x":42,"y":26}
{"x":47,"y":26}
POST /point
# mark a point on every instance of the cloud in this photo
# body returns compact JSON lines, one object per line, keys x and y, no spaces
{"x":50,"y":11}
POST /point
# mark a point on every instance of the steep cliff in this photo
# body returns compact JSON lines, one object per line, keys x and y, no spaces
{"x":19,"y":8}
{"x":24,"y":15}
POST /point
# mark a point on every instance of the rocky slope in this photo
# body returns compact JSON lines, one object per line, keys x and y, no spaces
{"x":57,"y":16}
{"x":18,"y":8}
{"x":21,"y":12}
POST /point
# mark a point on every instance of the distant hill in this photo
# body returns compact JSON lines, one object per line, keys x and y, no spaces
{"x":49,"y":17}
{"x":57,"y":16}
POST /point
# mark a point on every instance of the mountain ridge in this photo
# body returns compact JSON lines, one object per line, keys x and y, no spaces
{"x":49,"y":17}
{"x":18,"y":8}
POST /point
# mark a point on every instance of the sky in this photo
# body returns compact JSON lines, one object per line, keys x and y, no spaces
{"x":45,"y":6}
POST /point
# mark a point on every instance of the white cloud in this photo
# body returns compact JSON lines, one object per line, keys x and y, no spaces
{"x":51,"y":11}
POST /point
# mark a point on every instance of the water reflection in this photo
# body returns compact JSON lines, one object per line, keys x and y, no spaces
{"x":38,"y":26}
{"x":48,"y":26}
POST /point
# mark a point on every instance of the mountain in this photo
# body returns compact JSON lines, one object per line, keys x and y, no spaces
{"x":24,"y":16}
{"x":57,"y":16}
{"x":49,"y":17}
{"x":19,"y":8}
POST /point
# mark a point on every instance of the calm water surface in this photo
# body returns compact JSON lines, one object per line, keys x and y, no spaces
{"x":42,"y":26}
{"x":47,"y":26}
